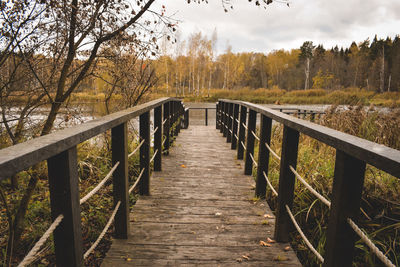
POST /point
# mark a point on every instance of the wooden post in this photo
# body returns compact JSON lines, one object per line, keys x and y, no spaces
{"x":263,"y":155}
{"x":144,"y":121}
{"x":217,"y":115}
{"x":119,"y":144}
{"x":206,"y":115}
{"x":221,"y":117}
{"x":186,"y":118}
{"x":251,"y":127}
{"x":229,"y":129}
{"x":226,"y":110}
{"x":64,"y":199}
{"x":346,"y":199}
{"x":243,"y":113}
{"x":157,"y":138}
{"x":166,"y":128}
{"x":235,"y":126}
{"x":290,"y":144}
{"x":178,"y":111}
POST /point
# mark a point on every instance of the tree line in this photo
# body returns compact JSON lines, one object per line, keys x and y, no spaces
{"x":192,"y":66}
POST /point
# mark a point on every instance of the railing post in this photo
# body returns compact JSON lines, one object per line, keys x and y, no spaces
{"x":166,"y":128}
{"x":221,"y":117}
{"x":186,"y":118}
{"x":178,"y":111}
{"x":144,"y":121}
{"x":226,"y":110}
{"x":263,"y":155}
{"x":157,"y":138}
{"x":119,"y":144}
{"x":64,"y":199}
{"x":290,"y":144}
{"x":206,"y":115}
{"x":217,"y":115}
{"x":229,"y":130}
{"x":251,"y":127}
{"x":243,"y":114}
{"x":235,"y":126}
{"x":346,"y":198}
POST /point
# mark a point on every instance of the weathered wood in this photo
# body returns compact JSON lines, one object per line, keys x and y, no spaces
{"x":119,"y":144}
{"x":290,"y":144}
{"x":186,"y":118}
{"x":217,"y":107}
{"x":263,"y":156}
{"x":346,"y":198}
{"x":157,"y":137}
{"x":229,"y":125}
{"x":200,"y":211}
{"x":226,"y":110}
{"x":235,"y":126}
{"x":380,"y":156}
{"x":144,"y":185}
{"x":222,"y":117}
{"x":166,"y":128}
{"x":251,"y":127}
{"x":64,"y":199}
{"x":21,"y":156}
{"x":240,"y":148}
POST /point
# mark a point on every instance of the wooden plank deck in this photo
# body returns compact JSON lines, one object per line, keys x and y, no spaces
{"x":201,"y":211}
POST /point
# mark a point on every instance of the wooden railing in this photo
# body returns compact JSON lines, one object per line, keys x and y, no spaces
{"x":352,"y":155}
{"x":60,"y":151}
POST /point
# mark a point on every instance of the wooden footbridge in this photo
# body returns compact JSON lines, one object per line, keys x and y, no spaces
{"x":200,"y":206}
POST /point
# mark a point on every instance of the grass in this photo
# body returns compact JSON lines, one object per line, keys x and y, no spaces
{"x":348,"y":96}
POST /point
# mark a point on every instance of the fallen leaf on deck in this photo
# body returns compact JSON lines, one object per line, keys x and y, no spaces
{"x":280,"y":258}
{"x":287,"y":248}
{"x":128,"y":259}
{"x":183,"y":166}
{"x":246,"y":257}
{"x":218,"y":214}
{"x":269,"y":240}
{"x":264,"y":244}
{"x":268,"y":216}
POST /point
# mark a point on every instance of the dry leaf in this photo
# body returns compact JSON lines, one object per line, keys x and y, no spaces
{"x":287,"y":248}
{"x":269,"y":240}
{"x":218,"y":214}
{"x":183,"y":166}
{"x":264,"y":244}
{"x":128,"y":259}
{"x":268,"y":216}
{"x":246,"y":257}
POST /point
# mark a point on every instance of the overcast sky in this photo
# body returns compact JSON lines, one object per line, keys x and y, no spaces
{"x":251,"y":28}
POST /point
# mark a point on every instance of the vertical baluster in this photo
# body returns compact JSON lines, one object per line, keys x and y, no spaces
{"x":186,"y":118}
{"x":166,"y":128}
{"x":229,"y":129}
{"x":221,"y":117}
{"x":217,"y":115}
{"x":251,"y":127}
{"x":346,"y":199}
{"x":157,"y":137}
{"x":290,"y":144}
{"x":243,"y":115}
{"x":119,"y":144}
{"x":263,"y":155}
{"x":64,"y":199}
{"x":206,"y":116}
{"x":235,"y":126}
{"x":226,"y":110}
{"x":144,"y":121}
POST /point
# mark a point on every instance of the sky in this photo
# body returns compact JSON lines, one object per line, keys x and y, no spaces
{"x":248,"y":28}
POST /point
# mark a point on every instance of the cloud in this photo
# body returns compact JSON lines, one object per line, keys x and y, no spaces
{"x":250,"y":28}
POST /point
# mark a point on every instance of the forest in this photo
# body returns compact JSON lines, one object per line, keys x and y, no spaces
{"x":192,"y":66}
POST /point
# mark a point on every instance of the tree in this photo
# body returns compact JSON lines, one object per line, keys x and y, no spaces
{"x":305,"y":56}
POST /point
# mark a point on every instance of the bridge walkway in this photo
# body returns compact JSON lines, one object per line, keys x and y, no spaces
{"x":201,"y":211}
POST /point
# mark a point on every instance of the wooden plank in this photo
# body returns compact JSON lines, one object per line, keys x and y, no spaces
{"x":201,"y":210}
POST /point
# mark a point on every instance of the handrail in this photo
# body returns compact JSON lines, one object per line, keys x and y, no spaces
{"x":21,"y":156}
{"x":380,"y":156}
{"x":352,"y":155}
